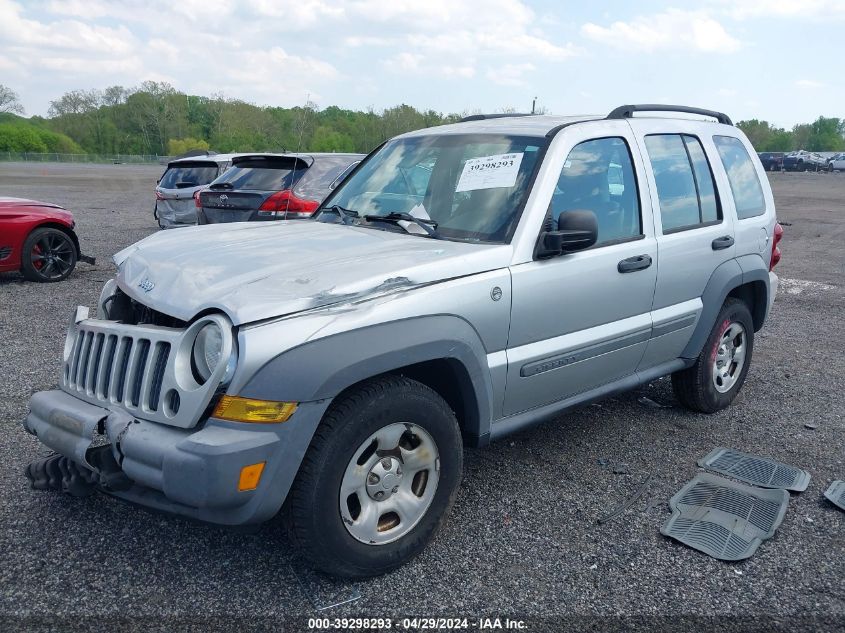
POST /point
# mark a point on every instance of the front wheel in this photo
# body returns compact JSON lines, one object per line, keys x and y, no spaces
{"x":379,"y":478}
{"x":713,"y":381}
{"x":48,"y":255}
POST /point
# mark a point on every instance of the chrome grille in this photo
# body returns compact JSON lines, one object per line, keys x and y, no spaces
{"x":143,"y":369}
{"x":117,"y":369}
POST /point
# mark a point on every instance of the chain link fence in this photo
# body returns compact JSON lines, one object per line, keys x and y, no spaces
{"x":51,"y":157}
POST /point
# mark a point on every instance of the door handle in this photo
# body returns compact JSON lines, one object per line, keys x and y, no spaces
{"x":638,"y":262}
{"x":726,"y":241}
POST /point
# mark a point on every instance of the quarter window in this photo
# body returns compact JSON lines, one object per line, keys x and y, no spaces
{"x":598,"y":176}
{"x":745,"y":185}
{"x":685,"y":187}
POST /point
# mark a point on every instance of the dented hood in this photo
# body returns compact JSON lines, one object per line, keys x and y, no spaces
{"x":256,"y":270}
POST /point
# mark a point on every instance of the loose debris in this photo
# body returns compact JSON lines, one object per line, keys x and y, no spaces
{"x":628,"y":503}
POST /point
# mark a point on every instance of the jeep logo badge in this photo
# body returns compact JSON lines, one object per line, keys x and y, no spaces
{"x":146,"y":285}
{"x":223,"y":198}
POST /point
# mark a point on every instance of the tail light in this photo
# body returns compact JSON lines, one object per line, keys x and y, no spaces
{"x":197,"y":202}
{"x":287,"y":204}
{"x":778,"y":233}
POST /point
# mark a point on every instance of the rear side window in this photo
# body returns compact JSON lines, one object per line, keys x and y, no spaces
{"x":684,"y":182}
{"x":188,"y":175}
{"x":262,"y":175}
{"x":748,"y":194}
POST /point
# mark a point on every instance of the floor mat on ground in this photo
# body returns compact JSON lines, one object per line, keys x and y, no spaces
{"x":759,"y":471}
{"x":722,"y":518}
{"x":836,"y":494}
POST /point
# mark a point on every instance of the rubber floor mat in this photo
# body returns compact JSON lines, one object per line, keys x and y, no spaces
{"x":760,"y":471}
{"x":836,"y":494}
{"x":724,"y":519}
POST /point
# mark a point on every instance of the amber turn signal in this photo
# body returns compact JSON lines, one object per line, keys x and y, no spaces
{"x":239,"y":409}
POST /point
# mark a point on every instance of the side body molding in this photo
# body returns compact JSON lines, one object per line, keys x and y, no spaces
{"x":321,"y":369}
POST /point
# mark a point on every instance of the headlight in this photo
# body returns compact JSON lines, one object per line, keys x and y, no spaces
{"x":207,"y":351}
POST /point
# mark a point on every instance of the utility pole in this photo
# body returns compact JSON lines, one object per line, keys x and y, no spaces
{"x":533,"y":105}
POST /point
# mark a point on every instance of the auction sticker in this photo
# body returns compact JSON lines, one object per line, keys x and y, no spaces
{"x":488,"y":172}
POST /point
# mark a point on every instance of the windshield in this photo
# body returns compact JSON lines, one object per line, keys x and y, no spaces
{"x":188,"y":175}
{"x":262,"y":174}
{"x":472,"y":186}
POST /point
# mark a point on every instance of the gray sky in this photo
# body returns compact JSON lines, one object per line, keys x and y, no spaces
{"x":779,"y":60}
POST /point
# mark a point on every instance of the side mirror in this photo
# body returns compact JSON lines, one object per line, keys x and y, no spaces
{"x":576,"y":230}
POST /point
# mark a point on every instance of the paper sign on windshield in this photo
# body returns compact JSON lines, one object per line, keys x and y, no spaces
{"x":488,"y":172}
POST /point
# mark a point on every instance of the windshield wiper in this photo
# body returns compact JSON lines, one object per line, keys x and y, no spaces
{"x":221,"y":185}
{"x":347,"y":216}
{"x":429,"y":226}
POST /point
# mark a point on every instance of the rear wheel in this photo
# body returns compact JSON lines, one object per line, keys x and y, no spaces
{"x":719,"y":372}
{"x":48,"y":255}
{"x":379,"y":477}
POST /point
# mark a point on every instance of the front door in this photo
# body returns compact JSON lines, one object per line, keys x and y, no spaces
{"x":583,"y":319}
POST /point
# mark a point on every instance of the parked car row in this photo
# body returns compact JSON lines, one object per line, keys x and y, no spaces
{"x":245,"y":187}
{"x":801,"y":160}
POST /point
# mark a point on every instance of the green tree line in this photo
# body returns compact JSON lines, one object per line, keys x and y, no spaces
{"x":825,"y":134}
{"x":155,"y":118}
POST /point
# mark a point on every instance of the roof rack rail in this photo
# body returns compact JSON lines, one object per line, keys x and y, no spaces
{"x":484,"y":117}
{"x":627,"y":111}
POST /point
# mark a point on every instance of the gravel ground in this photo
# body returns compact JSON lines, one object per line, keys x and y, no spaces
{"x":522,"y":541}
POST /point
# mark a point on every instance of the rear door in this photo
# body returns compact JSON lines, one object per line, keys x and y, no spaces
{"x":583,"y":319}
{"x":695,"y":231}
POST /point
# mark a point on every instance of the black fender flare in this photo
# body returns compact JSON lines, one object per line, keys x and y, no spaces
{"x":322,"y":369}
{"x":728,"y":276}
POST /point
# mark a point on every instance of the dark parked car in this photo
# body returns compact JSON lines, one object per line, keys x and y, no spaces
{"x":772,"y":161}
{"x":38,"y":239}
{"x":803,"y":160}
{"x":272,"y":187}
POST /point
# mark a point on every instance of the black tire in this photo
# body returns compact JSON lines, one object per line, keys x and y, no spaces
{"x":48,"y":255}
{"x":312,"y":507}
{"x":694,"y":387}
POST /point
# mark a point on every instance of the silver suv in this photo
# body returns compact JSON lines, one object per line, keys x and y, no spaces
{"x":463,"y":283}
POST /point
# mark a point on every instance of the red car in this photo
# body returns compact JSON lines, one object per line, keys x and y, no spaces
{"x":37,"y":238}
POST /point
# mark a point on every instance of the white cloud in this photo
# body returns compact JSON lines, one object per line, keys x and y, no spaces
{"x":799,"y":9}
{"x":17,"y":31}
{"x":404,"y":63}
{"x":510,"y":74}
{"x":808,"y":83}
{"x":673,"y":29}
{"x":355,"y":41}
{"x":297,"y":14}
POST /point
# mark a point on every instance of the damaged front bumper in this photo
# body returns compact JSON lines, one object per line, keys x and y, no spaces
{"x":191,"y":472}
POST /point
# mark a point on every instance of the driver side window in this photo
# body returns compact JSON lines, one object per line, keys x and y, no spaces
{"x":598,"y":176}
